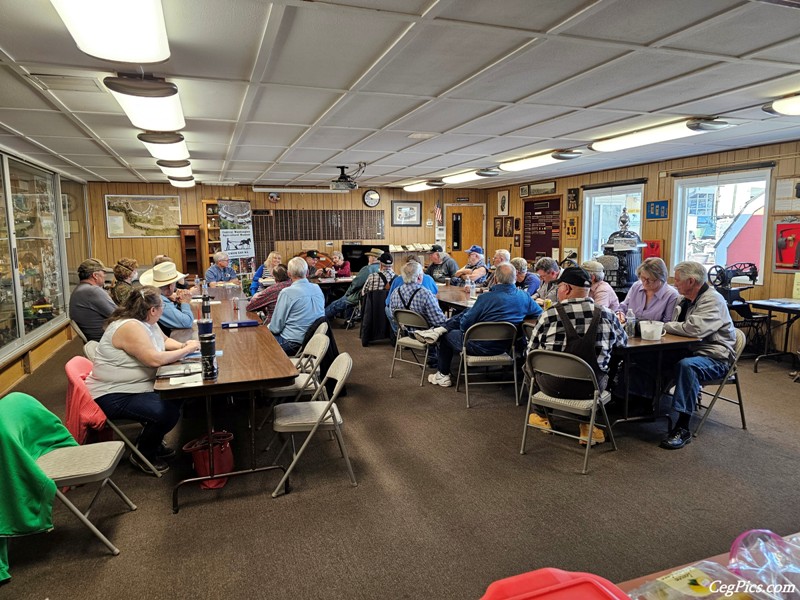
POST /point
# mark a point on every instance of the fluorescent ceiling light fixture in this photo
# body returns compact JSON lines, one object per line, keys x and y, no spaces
{"x":289,"y":190}
{"x":165,"y":146}
{"x":785,"y":106}
{"x":182,"y":182}
{"x":418,"y":187}
{"x":151,"y":104}
{"x":131,"y":31}
{"x":655,"y":135}
{"x":462,"y":177}
{"x":175,"y":168}
{"x":542,"y":160}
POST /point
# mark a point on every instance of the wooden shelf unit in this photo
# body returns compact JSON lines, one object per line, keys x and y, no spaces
{"x":191,"y":247}
{"x":210,"y":228}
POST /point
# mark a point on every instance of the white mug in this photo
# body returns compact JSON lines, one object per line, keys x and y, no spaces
{"x":652,"y":330}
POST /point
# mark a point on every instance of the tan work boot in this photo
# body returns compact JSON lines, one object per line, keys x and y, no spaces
{"x":540,"y":422}
{"x":598,"y":435}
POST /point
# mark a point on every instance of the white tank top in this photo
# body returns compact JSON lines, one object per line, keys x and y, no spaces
{"x":116,"y":371}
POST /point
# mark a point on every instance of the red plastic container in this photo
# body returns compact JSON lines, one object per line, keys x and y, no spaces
{"x":553,"y":584}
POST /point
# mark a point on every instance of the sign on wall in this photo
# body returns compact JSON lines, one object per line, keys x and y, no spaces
{"x":657,"y":209}
{"x":142,"y":216}
{"x":236,"y":233}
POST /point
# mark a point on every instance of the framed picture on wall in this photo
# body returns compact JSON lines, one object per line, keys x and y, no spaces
{"x":508,"y":229}
{"x":523,"y":191}
{"x":541,"y":188}
{"x":787,"y":245}
{"x":406,"y":213}
{"x":142,"y":216}
{"x":502,"y":202}
{"x":516,"y":240}
{"x":498,"y":227}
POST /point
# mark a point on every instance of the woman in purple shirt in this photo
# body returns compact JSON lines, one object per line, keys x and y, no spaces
{"x":651,"y":298}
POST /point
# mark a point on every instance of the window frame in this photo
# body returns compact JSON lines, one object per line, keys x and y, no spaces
{"x":588,"y":209}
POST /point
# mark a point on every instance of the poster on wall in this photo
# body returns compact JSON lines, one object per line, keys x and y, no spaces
{"x":142,"y":216}
{"x":502,"y":202}
{"x":236,"y":234}
{"x":787,"y":245}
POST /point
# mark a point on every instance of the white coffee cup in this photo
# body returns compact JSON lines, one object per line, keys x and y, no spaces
{"x":652,"y":330}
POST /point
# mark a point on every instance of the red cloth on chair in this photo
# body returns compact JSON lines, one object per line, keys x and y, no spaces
{"x":83,"y":413}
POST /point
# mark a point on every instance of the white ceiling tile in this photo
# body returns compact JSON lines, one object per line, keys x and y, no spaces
{"x":449,"y":161}
{"x":443,"y":115}
{"x":247,"y":165}
{"x":442,"y":58}
{"x":199,"y":132}
{"x":16,"y":93}
{"x":93,"y":161}
{"x":309,"y":155}
{"x":353,"y":157}
{"x":386,"y":141}
{"x":402,"y":6}
{"x":259,"y":134}
{"x":511,"y":118}
{"x":283,"y":104}
{"x":71,"y":145}
{"x":514,"y":13}
{"x":264,"y":153}
{"x":495,"y":145}
{"x":38,"y":122}
{"x":372,"y":110}
{"x":584,"y":119}
{"x":210,"y":99}
{"x":207,"y":151}
{"x":449,"y":142}
{"x":404,"y":159}
{"x":334,"y":137}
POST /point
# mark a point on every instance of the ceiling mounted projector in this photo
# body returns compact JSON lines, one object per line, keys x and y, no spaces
{"x":344,"y":181}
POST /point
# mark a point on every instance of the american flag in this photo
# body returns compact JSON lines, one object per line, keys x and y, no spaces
{"x":437,"y":213}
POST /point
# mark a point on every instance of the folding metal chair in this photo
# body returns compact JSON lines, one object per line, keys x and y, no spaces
{"x":298,"y":417}
{"x":500,"y":331}
{"x":731,"y":377}
{"x":407,"y":319}
{"x":567,"y":384}
{"x":78,"y":331}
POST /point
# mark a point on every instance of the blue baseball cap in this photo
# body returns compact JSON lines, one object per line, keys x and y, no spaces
{"x":475,"y":248}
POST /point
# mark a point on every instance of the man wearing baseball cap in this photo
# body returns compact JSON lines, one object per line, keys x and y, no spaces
{"x":352,"y":296}
{"x":475,"y":270}
{"x":89,"y":304}
{"x":382,"y":279}
{"x":442,"y":268}
{"x":598,"y":325}
{"x":177,"y":314}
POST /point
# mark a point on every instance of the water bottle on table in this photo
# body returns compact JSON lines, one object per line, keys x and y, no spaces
{"x":630,"y":323}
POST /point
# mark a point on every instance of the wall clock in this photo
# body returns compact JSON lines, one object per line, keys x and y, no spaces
{"x":372,"y":198}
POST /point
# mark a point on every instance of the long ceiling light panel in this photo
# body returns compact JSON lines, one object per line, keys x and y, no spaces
{"x":462,"y":177}
{"x":165,"y":146}
{"x":130,"y":31}
{"x":785,"y":106}
{"x":655,"y":135}
{"x":151,"y":104}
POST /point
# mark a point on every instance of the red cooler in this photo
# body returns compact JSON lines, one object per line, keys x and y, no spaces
{"x":553,"y":584}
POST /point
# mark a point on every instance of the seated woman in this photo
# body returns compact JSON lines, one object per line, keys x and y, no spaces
{"x":340,"y":268}
{"x":651,"y":298}
{"x":124,"y":273}
{"x":124,"y":372}
{"x":475,"y":270}
{"x":264,"y":271}
{"x":601,"y":292}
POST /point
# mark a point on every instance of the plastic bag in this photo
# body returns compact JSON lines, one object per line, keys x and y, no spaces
{"x":704,"y":579}
{"x":763,"y":557}
{"x":223,"y":458}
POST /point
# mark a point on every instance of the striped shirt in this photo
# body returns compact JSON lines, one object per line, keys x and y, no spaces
{"x":549,"y":333}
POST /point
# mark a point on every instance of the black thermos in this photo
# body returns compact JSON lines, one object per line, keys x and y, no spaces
{"x":206,"y":307}
{"x":208,"y":355}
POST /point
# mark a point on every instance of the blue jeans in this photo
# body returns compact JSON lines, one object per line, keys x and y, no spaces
{"x":336,"y":307}
{"x":288,"y":346}
{"x":158,"y":416}
{"x":688,"y":373}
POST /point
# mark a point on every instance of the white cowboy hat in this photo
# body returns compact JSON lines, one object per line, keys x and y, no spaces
{"x":161,"y":275}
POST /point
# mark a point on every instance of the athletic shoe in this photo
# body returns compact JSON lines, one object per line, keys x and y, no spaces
{"x":440,"y":379}
{"x":158,"y":463}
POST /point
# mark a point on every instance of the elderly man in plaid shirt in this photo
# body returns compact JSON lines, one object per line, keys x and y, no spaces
{"x":549,"y":334}
{"x":411,"y":295}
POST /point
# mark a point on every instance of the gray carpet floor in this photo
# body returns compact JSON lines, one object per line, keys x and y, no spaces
{"x":445,"y":503}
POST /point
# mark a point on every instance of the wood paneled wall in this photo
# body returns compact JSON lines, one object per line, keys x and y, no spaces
{"x":109,"y":251}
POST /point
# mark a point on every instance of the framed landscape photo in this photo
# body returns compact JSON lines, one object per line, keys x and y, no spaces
{"x":502,"y":202}
{"x":142,"y":216}
{"x":523,"y":191}
{"x":542,"y":188}
{"x":406,"y":213}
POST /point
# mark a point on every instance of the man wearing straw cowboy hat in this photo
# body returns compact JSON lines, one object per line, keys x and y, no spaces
{"x":178,"y":313}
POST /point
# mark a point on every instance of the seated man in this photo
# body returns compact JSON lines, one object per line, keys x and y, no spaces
{"x":413,"y":295}
{"x":89,"y":304}
{"x":266,"y":299}
{"x":442,"y":268}
{"x":701,"y":312}
{"x":500,"y":256}
{"x":298,"y":306}
{"x":177,"y":313}
{"x":601,"y":292}
{"x":220,"y":272}
{"x":475,"y":270}
{"x":352,"y":296}
{"x":526,"y":280}
{"x":381,"y":279}
{"x":586,"y":318}
{"x":504,"y":302}
{"x":427,"y":282}
{"x":312,"y":258}
{"x":182,"y":284}
{"x":548,"y":271}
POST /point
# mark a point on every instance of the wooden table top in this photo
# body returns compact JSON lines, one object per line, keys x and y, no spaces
{"x":454,"y":296}
{"x":251,"y":358}
{"x":669,"y":340}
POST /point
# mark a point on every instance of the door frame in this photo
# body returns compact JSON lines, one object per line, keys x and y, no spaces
{"x":460,"y":204}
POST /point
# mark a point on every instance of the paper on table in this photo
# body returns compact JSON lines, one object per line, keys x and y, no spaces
{"x":197,"y":354}
{"x":189,"y":380}
{"x":211,"y":302}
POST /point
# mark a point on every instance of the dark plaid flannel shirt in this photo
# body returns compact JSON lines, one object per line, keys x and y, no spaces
{"x":549,"y":333}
